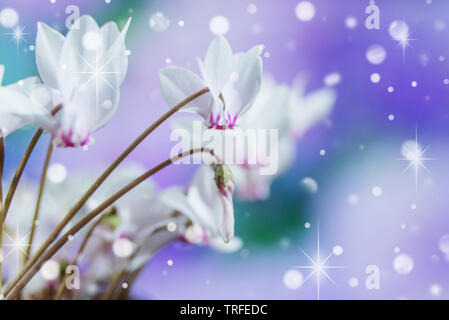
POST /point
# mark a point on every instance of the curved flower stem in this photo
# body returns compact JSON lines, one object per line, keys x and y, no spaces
{"x":38,"y":201}
{"x":79,"y":252}
{"x":129,"y":278}
{"x":19,"y":172}
{"x":2,"y":165}
{"x":21,"y":167}
{"x":15,"y":290}
{"x":97,"y":184}
{"x":113,"y":283}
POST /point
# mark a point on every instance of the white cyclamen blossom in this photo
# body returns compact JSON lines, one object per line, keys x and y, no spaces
{"x":270,"y":111}
{"x":21,"y":103}
{"x":233,"y":81}
{"x":209,"y":209}
{"x":307,"y":110}
{"x":85,"y":70}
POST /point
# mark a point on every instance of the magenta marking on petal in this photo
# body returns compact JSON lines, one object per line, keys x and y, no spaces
{"x":85,"y":140}
{"x":211,"y":119}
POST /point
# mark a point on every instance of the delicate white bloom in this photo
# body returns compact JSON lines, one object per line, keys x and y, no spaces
{"x":209,"y":209}
{"x":307,"y":110}
{"x":251,"y":185}
{"x":270,"y":111}
{"x":85,"y":70}
{"x":24,"y":102}
{"x":136,"y":228}
{"x":233,"y":81}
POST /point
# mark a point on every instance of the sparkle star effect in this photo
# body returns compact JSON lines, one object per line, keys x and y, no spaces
{"x":318,"y":266}
{"x":404,"y":40}
{"x":17,"y":244}
{"x":416,"y":159}
{"x":98,"y":72}
{"x":17,"y":35}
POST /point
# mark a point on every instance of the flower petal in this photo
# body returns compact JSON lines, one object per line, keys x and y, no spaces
{"x":241,"y":92}
{"x":176,"y":199}
{"x":227,"y":217}
{"x":218,"y":65}
{"x":178,"y":83}
{"x":115,"y":58}
{"x":17,"y":110}
{"x":316,"y":107}
{"x":80,"y":55}
{"x":49,"y":44}
{"x":234,"y":245}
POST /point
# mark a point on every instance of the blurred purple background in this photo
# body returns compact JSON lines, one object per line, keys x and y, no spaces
{"x":366,"y":204}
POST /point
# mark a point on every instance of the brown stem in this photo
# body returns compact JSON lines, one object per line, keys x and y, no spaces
{"x":97,"y":184}
{"x":21,"y":167}
{"x":19,"y":172}
{"x":38,"y":201}
{"x":79,"y":252}
{"x":113,"y":283}
{"x":130,"y":278}
{"x":14,"y":292}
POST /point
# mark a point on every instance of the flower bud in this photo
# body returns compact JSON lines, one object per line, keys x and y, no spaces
{"x":225,"y":184}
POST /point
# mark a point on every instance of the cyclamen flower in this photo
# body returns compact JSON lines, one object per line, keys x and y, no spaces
{"x":233,"y":81}
{"x":21,"y":103}
{"x":307,"y":110}
{"x":85,"y":70}
{"x":270,"y":111}
{"x":208,"y":206}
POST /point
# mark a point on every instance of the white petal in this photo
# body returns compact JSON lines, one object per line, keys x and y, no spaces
{"x":178,"y":83}
{"x":176,"y":199}
{"x":17,"y":110}
{"x":218,"y":65}
{"x":232,"y":246}
{"x":115,"y":57}
{"x":49,"y":44}
{"x":204,"y":198}
{"x":227,"y":218}
{"x":315,"y":107}
{"x":240,"y":93}
{"x":77,"y":59}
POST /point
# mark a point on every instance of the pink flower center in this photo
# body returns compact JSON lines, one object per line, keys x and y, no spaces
{"x":214,"y":122}
{"x":70,"y":139}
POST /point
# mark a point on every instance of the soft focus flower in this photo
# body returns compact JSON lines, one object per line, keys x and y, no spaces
{"x":233,"y":81}
{"x":251,"y":184}
{"x":208,"y":206}
{"x":136,"y":227}
{"x":24,"y":102}
{"x":85,"y":70}
{"x":307,"y":110}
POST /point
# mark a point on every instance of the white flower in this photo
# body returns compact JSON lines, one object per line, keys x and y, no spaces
{"x":270,"y":111}
{"x":307,"y":110}
{"x":85,"y":69}
{"x":24,"y":102}
{"x":209,"y":209}
{"x":233,"y":81}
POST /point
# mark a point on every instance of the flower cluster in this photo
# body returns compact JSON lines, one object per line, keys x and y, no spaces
{"x":125,"y":222}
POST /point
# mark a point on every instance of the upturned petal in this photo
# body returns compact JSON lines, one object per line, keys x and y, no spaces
{"x":245,"y":83}
{"x":218,"y":65}
{"x":178,"y":83}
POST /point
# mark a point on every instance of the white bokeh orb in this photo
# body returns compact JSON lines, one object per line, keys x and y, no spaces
{"x":403,"y":264}
{"x":219,"y":25}
{"x":376,"y":54}
{"x":159,"y":22}
{"x":293,"y":279}
{"x":9,"y":17}
{"x":305,"y":11}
